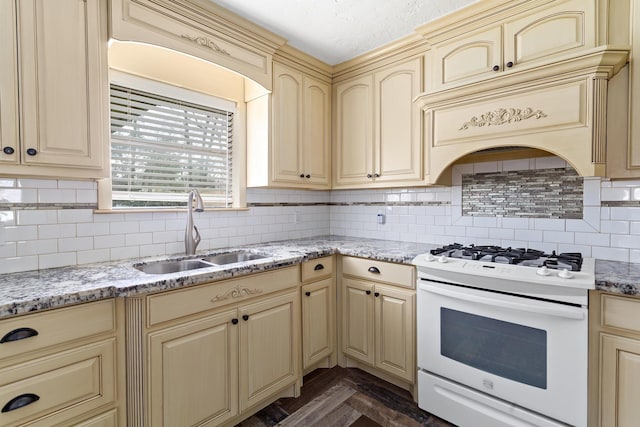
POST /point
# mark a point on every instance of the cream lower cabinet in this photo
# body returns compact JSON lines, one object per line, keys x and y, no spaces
{"x":614,"y":360}
{"x":377,"y":128}
{"x":53,"y":92}
{"x":318,"y":312}
{"x":218,"y":351}
{"x":378,"y":318}
{"x":63,"y":367}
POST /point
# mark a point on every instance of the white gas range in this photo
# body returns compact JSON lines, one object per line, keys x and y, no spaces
{"x":502,"y":336}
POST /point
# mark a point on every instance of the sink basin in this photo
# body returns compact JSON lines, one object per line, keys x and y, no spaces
{"x":231,"y":257}
{"x":165,"y":267}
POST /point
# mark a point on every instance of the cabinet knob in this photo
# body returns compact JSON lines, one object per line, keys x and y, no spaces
{"x":301,"y":175}
{"x":377,"y":175}
{"x":234,"y":321}
{"x":245,"y":317}
{"x":18,"y":334}
{"x":307,"y":176}
{"x":496,"y":68}
{"x":368,"y":292}
{"x":32,"y":151}
{"x":509,"y":64}
{"x":308,"y":293}
{"x":377,"y":294}
{"x":374,"y":270}
{"x":8,"y":150}
{"x":369,"y":175}
{"x":20,"y":401}
{"x":318,"y":267}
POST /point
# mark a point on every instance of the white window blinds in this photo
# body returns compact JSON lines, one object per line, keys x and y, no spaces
{"x":161,"y":147}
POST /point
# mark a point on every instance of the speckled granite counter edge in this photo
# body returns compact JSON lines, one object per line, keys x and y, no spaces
{"x":31,"y":291}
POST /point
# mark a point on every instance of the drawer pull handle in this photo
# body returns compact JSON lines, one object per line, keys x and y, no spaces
{"x":374,"y":270}
{"x":245,"y":317}
{"x":308,"y":293}
{"x":8,"y":150}
{"x":318,"y":267}
{"x":234,"y":321}
{"x":18,"y":334}
{"x":377,"y":294}
{"x":32,"y":151}
{"x":368,"y":292}
{"x":20,"y":401}
{"x":496,"y":68}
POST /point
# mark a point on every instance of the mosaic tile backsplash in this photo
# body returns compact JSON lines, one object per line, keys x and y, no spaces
{"x":542,"y":193}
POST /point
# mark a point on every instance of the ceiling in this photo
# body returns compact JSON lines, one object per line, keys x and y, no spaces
{"x":337,"y":30}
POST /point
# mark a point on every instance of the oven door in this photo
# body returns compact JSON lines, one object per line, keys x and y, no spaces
{"x":528,"y":352}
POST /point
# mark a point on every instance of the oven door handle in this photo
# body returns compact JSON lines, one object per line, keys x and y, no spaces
{"x":559,"y":311}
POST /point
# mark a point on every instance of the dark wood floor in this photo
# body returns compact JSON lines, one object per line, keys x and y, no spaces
{"x":341,"y":397}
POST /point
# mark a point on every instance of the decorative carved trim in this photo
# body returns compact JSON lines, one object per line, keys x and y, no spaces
{"x":206,"y":42}
{"x":502,"y":116}
{"x":599,"y":141}
{"x":236,"y":292}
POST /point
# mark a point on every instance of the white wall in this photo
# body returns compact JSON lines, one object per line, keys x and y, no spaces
{"x":51,"y":223}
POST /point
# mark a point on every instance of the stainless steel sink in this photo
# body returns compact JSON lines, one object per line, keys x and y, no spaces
{"x":232,"y":257}
{"x":165,"y":267}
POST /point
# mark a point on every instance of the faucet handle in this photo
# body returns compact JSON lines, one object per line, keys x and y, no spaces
{"x":196,"y":239}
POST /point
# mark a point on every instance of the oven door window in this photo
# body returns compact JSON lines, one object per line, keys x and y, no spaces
{"x":506,"y":349}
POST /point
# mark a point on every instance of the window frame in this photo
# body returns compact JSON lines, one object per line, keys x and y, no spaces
{"x":173,"y":90}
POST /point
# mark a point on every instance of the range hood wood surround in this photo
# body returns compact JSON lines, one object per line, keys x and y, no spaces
{"x":559,"y":108}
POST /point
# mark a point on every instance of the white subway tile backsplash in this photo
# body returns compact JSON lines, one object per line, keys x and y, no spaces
{"x":7,"y":249}
{"x":22,"y":263}
{"x":558,"y":237}
{"x":529,"y":235}
{"x":8,"y":182}
{"x":18,"y":195}
{"x":625,"y":241}
{"x":93,"y":255}
{"x":31,"y":217}
{"x":117,"y":254}
{"x":548,"y":224}
{"x":93,"y":229}
{"x":17,"y":233}
{"x":36,"y":247}
{"x":86,"y":196}
{"x":616,"y":194}
{"x":610,"y":254}
{"x":592,"y":239}
{"x":56,"y":196}
{"x":615,"y":227}
{"x":107,"y":242}
{"x":37,"y":183}
{"x":56,"y":231}
{"x":57,"y":260}
{"x":68,"y":216}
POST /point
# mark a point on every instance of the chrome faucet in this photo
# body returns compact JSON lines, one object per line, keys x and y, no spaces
{"x":190,"y":240}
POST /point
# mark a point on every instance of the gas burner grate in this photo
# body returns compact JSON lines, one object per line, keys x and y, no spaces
{"x":517,"y":256}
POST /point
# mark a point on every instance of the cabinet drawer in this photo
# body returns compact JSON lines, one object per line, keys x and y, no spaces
{"x":380,"y":271}
{"x":621,"y":312}
{"x":55,"y":327}
{"x":62,"y":386}
{"x":317,"y":268}
{"x":179,"y":303}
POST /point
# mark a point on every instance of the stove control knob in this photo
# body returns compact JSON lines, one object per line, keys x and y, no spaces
{"x":565,"y":274}
{"x":443,"y":259}
{"x":430,"y":257}
{"x":543,"y":271}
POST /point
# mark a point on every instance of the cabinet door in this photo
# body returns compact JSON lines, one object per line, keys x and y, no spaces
{"x":316,"y":141}
{"x":468,"y":58}
{"x":395,"y":334}
{"x":354,"y":132}
{"x":318,"y":321}
{"x":9,"y":149}
{"x":619,"y":381}
{"x":548,"y":32}
{"x":286,"y":155}
{"x":193,"y":372}
{"x":358,"y":320}
{"x":62,"y":52}
{"x":397,"y":136}
{"x":269,"y":343}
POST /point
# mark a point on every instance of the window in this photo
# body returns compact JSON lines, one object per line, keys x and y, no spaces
{"x":164,"y":145}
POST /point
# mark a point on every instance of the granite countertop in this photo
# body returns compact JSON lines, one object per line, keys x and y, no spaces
{"x":42,"y":289}
{"x":56,"y":287}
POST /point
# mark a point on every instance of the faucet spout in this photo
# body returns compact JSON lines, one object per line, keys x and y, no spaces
{"x":192,"y":235}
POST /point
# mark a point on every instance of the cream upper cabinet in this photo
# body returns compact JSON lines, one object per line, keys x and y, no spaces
{"x":377,"y":131}
{"x":531,"y":38}
{"x":300,"y":155}
{"x":61,"y":88}
{"x":614,"y":360}
{"x":378,"y":316}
